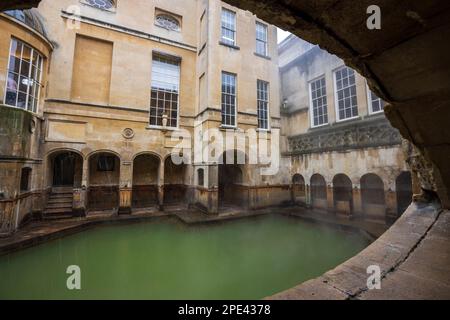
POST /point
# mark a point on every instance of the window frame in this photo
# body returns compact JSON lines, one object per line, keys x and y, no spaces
{"x":112,"y":9}
{"x":267,"y":106}
{"x":106,"y":157}
{"x":202,"y":170}
{"x":311,"y":104}
{"x":235,"y":100}
{"x":28,"y":171}
{"x":19,"y":75}
{"x":155,"y":126}
{"x":167,"y":15}
{"x":369,"y":101}
{"x":336,"y":96}
{"x":266,"y":41}
{"x":222,"y":27}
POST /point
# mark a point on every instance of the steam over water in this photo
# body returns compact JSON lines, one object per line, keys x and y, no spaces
{"x":245,"y":259}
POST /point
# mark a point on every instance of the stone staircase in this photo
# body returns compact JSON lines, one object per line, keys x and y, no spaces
{"x":59,"y":204}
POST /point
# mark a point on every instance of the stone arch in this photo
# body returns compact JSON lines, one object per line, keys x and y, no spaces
{"x":92,"y":153}
{"x":64,"y":168}
{"x":59,"y":150}
{"x":343,"y":194}
{"x":155,"y":154}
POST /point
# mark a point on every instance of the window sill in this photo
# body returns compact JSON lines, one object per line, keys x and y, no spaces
{"x":22,"y":109}
{"x":225,"y":127}
{"x":168,"y":29}
{"x":161,"y":128}
{"x":348,"y":119}
{"x":232,"y":46}
{"x":320,"y":126}
{"x":262,"y":56}
{"x":263,"y":130}
{"x":374,"y":114}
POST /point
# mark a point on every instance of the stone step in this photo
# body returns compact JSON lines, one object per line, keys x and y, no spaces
{"x":56,"y":211}
{"x":57,"y":216}
{"x":60,"y":200}
{"x":62,"y":190}
{"x":60,"y":195}
{"x":59,"y":205}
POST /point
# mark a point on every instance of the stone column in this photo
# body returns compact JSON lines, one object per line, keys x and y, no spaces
{"x":391,"y":203}
{"x":213,"y":189}
{"x":125,"y":187}
{"x":330,"y":198}
{"x":161,"y":186}
{"x":357,"y":201}
{"x":80,"y":195}
{"x":308,"y":195}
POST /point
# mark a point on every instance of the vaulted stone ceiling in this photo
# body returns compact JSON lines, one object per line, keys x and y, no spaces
{"x":407,"y":62}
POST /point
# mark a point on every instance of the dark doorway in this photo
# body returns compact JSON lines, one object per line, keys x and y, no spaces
{"x":403,"y":184}
{"x":342,"y":194}
{"x":145,"y":181}
{"x":230,"y":185}
{"x":175,"y":187}
{"x":232,"y":191}
{"x":64,"y":170}
{"x":298,"y":188}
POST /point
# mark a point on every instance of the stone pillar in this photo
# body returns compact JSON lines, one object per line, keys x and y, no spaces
{"x":308,"y":195}
{"x":357,"y":201}
{"x":330,"y":198}
{"x":79,"y":202}
{"x":161,"y":186}
{"x":80,"y":195}
{"x":391,"y":203}
{"x":125,"y":187}
{"x":125,"y":200}
{"x":213,"y":189}
{"x":416,"y":189}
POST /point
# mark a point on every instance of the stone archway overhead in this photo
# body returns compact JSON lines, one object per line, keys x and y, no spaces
{"x":18,"y":4}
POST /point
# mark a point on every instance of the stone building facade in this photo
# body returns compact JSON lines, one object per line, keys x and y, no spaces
{"x":344,"y":155}
{"x":116,"y":108}
{"x":127,"y":99}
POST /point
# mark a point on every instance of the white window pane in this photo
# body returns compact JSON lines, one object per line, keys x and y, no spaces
{"x":319,"y":102}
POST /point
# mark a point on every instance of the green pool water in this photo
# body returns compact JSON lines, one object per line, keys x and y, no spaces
{"x":244,"y":259}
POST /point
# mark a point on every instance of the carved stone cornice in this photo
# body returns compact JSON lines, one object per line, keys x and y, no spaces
{"x":367,"y":133}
